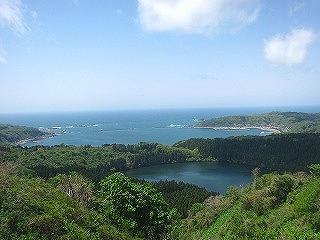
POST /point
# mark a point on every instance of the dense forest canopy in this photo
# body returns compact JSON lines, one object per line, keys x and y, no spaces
{"x":276,"y":152}
{"x":293,"y":122}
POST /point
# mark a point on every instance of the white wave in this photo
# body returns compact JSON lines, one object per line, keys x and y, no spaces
{"x":176,"y":126}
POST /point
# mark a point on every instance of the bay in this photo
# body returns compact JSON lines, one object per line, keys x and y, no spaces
{"x":213,"y":176}
{"x":128,"y":127}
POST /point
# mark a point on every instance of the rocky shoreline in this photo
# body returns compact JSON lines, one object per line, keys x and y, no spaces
{"x":35,"y":139}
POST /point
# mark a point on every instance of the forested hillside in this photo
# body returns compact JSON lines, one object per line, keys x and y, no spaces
{"x":94,"y":162}
{"x":10,"y":134}
{"x":281,"y":152}
{"x":293,"y":122}
{"x":278,"y":152}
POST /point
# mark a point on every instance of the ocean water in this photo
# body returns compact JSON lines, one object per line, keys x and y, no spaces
{"x":131,"y":127}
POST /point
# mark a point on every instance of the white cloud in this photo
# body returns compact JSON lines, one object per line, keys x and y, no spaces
{"x":288,"y":49}
{"x":11,"y":15}
{"x":197,"y":16}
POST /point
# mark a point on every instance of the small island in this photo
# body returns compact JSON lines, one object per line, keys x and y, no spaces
{"x":18,"y":135}
{"x":276,"y":122}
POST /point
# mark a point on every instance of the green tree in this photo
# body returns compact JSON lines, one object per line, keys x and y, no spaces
{"x":139,"y":208}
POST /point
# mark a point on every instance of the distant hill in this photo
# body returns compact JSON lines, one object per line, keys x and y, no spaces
{"x":293,"y":122}
{"x":11,"y":134}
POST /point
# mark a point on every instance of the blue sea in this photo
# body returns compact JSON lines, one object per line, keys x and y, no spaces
{"x":131,"y":127}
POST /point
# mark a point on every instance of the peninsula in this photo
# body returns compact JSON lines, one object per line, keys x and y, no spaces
{"x":278,"y":122}
{"x":17,"y":135}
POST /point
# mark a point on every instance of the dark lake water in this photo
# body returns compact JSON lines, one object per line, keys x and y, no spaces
{"x":212,"y":176}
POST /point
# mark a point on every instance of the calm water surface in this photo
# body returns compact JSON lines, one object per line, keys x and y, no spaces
{"x":212,"y":176}
{"x":128,"y":127}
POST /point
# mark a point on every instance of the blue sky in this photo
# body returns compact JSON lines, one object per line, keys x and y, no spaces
{"x":79,"y":55}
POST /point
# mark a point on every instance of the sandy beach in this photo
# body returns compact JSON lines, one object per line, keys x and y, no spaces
{"x":262,"y":128}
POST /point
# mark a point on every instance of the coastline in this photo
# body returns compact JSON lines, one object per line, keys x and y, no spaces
{"x":34,"y":139}
{"x":273,"y":130}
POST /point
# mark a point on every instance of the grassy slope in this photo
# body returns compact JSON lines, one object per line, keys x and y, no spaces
{"x":274,"y":207}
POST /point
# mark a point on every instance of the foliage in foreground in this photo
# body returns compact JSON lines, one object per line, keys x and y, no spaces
{"x":70,"y":207}
{"x":32,"y":208}
{"x":140,"y":208}
{"x":273,"y":207}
